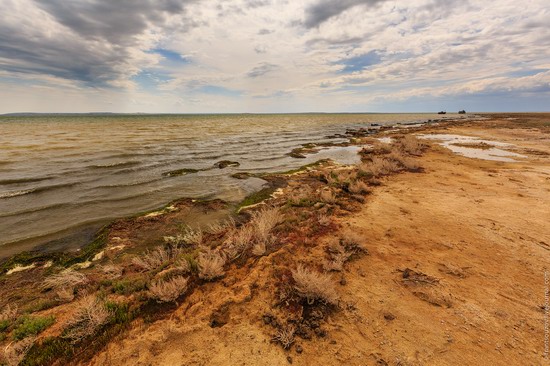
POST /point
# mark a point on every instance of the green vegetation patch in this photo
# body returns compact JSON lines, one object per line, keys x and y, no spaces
{"x":31,"y":325}
{"x":257,"y":197}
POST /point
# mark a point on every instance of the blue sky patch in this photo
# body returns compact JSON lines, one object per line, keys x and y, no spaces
{"x":359,"y":63}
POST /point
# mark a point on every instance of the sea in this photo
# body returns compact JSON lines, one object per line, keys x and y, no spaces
{"x":64,"y":176}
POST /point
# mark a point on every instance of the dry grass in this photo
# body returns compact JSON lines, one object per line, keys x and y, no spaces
{"x":220,"y":227}
{"x":324,"y":220}
{"x":9,"y":313}
{"x":112,"y":271}
{"x":152,"y":260}
{"x":15,"y":352}
{"x":193,"y":237}
{"x":411,"y":145}
{"x":90,"y":315}
{"x":303,"y":196}
{"x":328,"y":196}
{"x":210,"y":264}
{"x":68,"y":278}
{"x":284,"y":336}
{"x":359,"y":187}
{"x":238,"y":242}
{"x":264,"y":221}
{"x":65,"y":294}
{"x":167,"y":291}
{"x":314,"y":286}
{"x":380,"y":166}
{"x":259,"y":249}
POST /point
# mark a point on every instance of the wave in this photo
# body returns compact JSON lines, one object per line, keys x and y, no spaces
{"x":23,"y":180}
{"x":23,"y":192}
{"x":114,"y":165}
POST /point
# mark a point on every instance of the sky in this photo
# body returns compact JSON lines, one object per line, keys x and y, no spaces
{"x":272,"y":56}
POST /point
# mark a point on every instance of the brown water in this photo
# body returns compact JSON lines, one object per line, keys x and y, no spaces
{"x":61,"y":177}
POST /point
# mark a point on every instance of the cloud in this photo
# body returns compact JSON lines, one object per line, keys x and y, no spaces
{"x":95,"y":42}
{"x":323,"y":10}
{"x":261,"y":70}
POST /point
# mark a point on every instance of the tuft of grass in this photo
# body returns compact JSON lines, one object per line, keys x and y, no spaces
{"x":168,"y":291}
{"x":31,"y":325}
{"x":210,"y":265}
{"x":68,"y":278}
{"x":264,"y":221}
{"x":314,"y":286}
{"x":411,"y":145}
{"x":49,"y":350}
{"x":284,"y":336}
{"x":152,"y":260}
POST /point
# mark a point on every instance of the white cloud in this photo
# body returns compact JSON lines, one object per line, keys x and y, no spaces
{"x":251,"y":55}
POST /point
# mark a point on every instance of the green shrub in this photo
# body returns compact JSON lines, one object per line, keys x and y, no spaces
{"x":31,"y":325}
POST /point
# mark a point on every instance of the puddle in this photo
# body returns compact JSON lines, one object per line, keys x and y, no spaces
{"x":346,"y":155}
{"x":491,"y":151}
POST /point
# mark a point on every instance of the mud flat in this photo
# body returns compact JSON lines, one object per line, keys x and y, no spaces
{"x":417,"y":255}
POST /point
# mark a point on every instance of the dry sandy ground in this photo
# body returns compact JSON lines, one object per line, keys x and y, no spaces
{"x":454,"y":276}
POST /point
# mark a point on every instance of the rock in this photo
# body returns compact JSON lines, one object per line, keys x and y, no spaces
{"x":389,"y":316}
{"x":299,"y":349}
{"x":289,"y":359}
{"x":183,"y":171}
{"x":226,"y":163}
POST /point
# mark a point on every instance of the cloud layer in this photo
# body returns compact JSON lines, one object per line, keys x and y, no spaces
{"x":273,"y":55}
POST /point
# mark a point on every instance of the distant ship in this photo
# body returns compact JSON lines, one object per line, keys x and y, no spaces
{"x":442,"y":112}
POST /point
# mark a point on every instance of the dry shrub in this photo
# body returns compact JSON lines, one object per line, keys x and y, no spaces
{"x":193,"y":237}
{"x":340,"y":252}
{"x":379,"y":166}
{"x":328,"y":196}
{"x":358,"y":187}
{"x":90,"y":315}
{"x":259,"y":249}
{"x":314,"y":286}
{"x":15,"y":352}
{"x":284,"y":336}
{"x":238,"y":242}
{"x":167,"y":291}
{"x":210,"y":264}
{"x":264,"y":221}
{"x":152,"y":260}
{"x":9,"y":313}
{"x":303,"y":196}
{"x":411,"y":145}
{"x":182,"y":265}
{"x":68,"y":278}
{"x":65,"y":294}
{"x":404,"y":162}
{"x":324,"y":220}
{"x":220,"y":227}
{"x":112,"y":271}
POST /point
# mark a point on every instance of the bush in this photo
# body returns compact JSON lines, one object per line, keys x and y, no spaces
{"x":210,"y":265}
{"x":411,"y":145}
{"x":314,"y":286}
{"x":167,"y":291}
{"x":68,"y":278}
{"x":90,"y":315}
{"x":150,"y":261}
{"x":31,"y":325}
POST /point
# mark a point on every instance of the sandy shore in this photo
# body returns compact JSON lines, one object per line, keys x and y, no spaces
{"x":449,"y":268}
